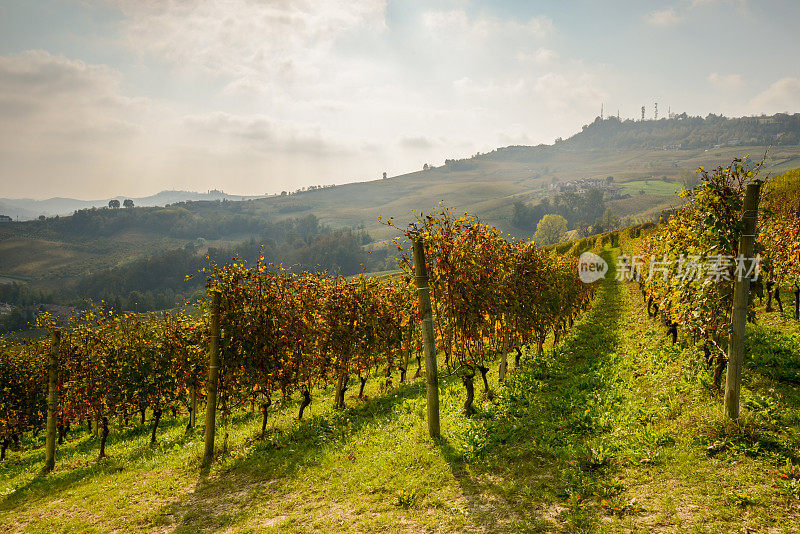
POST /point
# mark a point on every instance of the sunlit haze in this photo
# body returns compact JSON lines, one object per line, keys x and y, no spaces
{"x":252,"y":97}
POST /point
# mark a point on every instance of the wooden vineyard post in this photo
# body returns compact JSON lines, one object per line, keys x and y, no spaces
{"x":193,"y":414}
{"x":741,"y":290}
{"x":52,"y":402}
{"x":426,"y":315}
{"x":213,"y":376}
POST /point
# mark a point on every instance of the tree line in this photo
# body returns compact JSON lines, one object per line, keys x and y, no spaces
{"x":165,"y":279}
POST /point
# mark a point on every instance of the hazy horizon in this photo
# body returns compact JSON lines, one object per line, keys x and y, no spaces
{"x":99,"y":98}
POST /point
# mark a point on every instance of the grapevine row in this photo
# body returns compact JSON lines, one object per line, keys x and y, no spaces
{"x":706,"y":231}
{"x":282,"y":333}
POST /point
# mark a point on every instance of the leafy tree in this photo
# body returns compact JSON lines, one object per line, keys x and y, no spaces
{"x":689,"y":179}
{"x":128,"y":203}
{"x":113,"y":203}
{"x":551,"y":229}
{"x":609,"y":221}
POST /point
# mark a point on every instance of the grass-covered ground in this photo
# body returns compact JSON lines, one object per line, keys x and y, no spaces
{"x":651,"y":187}
{"x":612,"y":430}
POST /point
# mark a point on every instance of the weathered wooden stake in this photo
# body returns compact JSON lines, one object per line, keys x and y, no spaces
{"x":52,"y":402}
{"x":193,"y":408}
{"x":426,"y":314}
{"x":503,"y":369}
{"x":741,"y":290}
{"x":410,"y":338}
{"x":213,"y":376}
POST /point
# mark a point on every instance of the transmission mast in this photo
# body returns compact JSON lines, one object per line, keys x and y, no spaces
{"x":656,"y":115}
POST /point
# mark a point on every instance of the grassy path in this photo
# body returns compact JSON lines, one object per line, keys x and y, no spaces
{"x":612,"y":430}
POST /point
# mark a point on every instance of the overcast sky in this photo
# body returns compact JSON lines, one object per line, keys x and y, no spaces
{"x":130,"y":97}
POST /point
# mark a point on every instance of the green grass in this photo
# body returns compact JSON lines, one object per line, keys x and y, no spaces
{"x":651,"y":187}
{"x":613,"y":429}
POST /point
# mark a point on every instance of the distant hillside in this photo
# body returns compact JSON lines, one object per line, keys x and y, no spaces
{"x":27,"y":208}
{"x":631,"y":169}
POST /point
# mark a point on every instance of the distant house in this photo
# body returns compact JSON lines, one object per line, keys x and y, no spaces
{"x":5,"y":219}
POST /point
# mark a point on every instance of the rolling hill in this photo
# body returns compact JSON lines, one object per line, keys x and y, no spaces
{"x":24,"y":209}
{"x":639,"y":166}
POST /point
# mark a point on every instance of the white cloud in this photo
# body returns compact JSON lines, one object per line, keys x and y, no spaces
{"x":540,"y":57}
{"x":419,"y":142}
{"x":562,"y":91}
{"x":467,"y":87}
{"x":43,"y":95}
{"x":726,"y":81}
{"x":458,"y":24}
{"x":256,"y":46}
{"x":68,"y":127}
{"x":781,"y":96}
{"x":702,"y":3}
{"x":664,"y":17}
{"x":261,"y":133}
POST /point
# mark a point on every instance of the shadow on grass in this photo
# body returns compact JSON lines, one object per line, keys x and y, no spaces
{"x":219,"y":501}
{"x":535,"y":464}
{"x":68,"y":473}
{"x":770,"y":402}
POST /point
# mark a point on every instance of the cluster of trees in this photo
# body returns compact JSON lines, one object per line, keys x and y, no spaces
{"x":173,"y":221}
{"x":26,"y":301}
{"x":114,"y":203}
{"x":157,"y":282}
{"x":280,"y":332}
{"x":18,"y":319}
{"x":681,"y":130}
{"x":24,"y":294}
{"x":184,"y":220}
{"x":160,"y":281}
{"x":579,"y":209}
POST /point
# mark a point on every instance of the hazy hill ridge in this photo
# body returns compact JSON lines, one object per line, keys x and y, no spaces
{"x":28,"y":208}
{"x":680,"y":132}
{"x":138,"y":258}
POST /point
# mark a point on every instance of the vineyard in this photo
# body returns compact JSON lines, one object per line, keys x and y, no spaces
{"x":284,"y":334}
{"x":614,"y":388}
